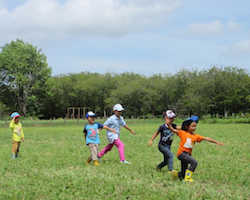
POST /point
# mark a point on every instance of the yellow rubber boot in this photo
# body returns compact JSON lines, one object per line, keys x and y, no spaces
{"x":188,"y":176}
{"x":96,"y":163}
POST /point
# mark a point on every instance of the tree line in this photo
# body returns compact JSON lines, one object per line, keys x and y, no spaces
{"x":27,"y":86}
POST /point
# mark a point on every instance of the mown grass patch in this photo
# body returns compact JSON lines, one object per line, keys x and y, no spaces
{"x":52,"y":165}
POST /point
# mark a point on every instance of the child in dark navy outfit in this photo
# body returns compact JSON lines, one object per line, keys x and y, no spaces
{"x":165,"y":142}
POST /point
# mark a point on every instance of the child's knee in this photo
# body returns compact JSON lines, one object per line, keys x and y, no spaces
{"x":194,"y":164}
{"x":121,"y":145}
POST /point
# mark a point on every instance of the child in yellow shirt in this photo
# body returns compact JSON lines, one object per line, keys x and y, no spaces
{"x":18,"y":136}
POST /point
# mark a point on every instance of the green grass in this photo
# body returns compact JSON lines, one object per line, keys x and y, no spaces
{"x":52,"y":165}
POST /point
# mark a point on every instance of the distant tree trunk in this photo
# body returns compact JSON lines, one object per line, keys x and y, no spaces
{"x":21,"y":101}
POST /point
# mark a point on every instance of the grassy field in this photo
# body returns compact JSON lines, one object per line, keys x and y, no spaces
{"x":52,"y":165}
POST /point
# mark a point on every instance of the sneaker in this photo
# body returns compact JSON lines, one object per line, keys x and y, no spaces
{"x":99,"y":158}
{"x":174,"y":174}
{"x":88,"y":161}
{"x":158,"y":169}
{"x":125,"y":162}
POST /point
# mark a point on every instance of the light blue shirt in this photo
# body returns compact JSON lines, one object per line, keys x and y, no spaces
{"x":114,"y":122}
{"x":91,"y":133}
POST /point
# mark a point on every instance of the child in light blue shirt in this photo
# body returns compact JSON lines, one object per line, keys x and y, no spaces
{"x":91,"y":131}
{"x":115,"y":122}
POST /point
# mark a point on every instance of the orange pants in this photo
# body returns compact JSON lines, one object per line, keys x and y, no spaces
{"x":15,"y":146}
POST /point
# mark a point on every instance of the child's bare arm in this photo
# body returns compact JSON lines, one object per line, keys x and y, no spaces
{"x":173,"y":129}
{"x":150,"y":142}
{"x":110,"y":129}
{"x":129,"y":129}
{"x":212,"y":141}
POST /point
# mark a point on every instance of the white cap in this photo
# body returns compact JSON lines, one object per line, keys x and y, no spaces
{"x":118,"y":107}
{"x":170,"y":114}
{"x":90,"y":114}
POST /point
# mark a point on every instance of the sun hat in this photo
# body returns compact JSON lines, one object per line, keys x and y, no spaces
{"x":90,"y":114}
{"x":118,"y":107}
{"x":170,"y":114}
{"x":14,"y":115}
{"x":194,"y":118}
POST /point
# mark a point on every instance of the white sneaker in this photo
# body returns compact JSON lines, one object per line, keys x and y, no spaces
{"x":125,"y":162}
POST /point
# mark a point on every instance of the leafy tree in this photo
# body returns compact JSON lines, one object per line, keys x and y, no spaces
{"x":23,"y":74}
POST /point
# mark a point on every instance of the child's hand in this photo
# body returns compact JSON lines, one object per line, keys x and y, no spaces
{"x":132,"y":132}
{"x":220,"y":143}
{"x":22,"y":139}
{"x":150,"y":142}
{"x":113,"y":131}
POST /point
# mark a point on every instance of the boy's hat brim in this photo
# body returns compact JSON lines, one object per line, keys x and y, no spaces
{"x":170,"y":114}
{"x":90,"y":114}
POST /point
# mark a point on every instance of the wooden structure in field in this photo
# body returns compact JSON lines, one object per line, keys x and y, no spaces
{"x":76,"y":112}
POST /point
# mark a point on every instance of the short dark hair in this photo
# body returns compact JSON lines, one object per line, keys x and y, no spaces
{"x":186,"y":124}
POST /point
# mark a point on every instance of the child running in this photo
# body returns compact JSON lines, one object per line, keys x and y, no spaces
{"x":17,"y":131}
{"x":92,"y":137}
{"x":115,"y":121}
{"x":184,"y":154}
{"x":165,"y":141}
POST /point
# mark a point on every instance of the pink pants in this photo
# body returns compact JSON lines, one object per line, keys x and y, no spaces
{"x":120,"y":146}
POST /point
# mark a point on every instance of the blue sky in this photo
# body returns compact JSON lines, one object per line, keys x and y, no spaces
{"x":141,"y":36}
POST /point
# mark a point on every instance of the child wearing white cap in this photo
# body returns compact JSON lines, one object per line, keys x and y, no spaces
{"x":115,"y":121}
{"x":18,"y":135}
{"x":165,"y":142}
{"x":92,"y":137}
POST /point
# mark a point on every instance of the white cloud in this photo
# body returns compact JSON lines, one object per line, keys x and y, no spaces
{"x":242,"y":47}
{"x":52,"y":19}
{"x":233,"y":26}
{"x":211,"y":28}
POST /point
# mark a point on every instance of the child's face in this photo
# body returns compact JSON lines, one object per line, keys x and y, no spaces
{"x":91,"y":120}
{"x":192,"y":127}
{"x":169,"y":120}
{"x":16,"y":120}
{"x":118,"y":113}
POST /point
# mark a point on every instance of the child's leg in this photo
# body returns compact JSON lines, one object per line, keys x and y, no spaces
{"x":105,"y":150}
{"x":18,"y":148}
{"x":184,"y":166}
{"x":168,"y":157}
{"x":189,"y":159}
{"x":14,"y":149}
{"x":193,"y":164}
{"x":118,"y":143}
{"x":185,"y":160}
{"x":93,"y":150}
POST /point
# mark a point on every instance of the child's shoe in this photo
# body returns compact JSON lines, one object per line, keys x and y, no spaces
{"x":99,"y":159}
{"x":89,"y":160}
{"x":158,"y":169}
{"x":174,"y":173}
{"x":96,"y":163}
{"x":188,"y":176}
{"x":13,"y":156}
{"x":125,"y":162}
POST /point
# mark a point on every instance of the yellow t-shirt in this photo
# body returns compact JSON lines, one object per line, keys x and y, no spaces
{"x":17,"y":131}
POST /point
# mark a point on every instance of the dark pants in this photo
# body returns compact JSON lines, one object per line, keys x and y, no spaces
{"x":167,"y":155}
{"x":186,"y":159}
